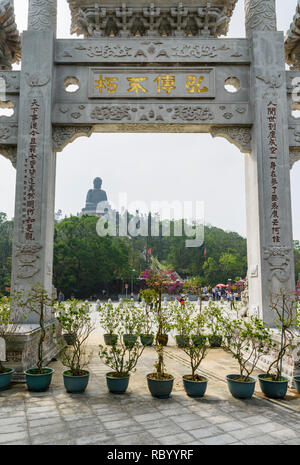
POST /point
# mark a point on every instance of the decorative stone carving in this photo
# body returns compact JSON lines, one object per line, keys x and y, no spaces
{"x":36,"y":80}
{"x":27,"y":260}
{"x":273,"y":81}
{"x":278,"y":259}
{"x":294,"y":156}
{"x":10,"y":152}
{"x":63,"y":135}
{"x":42,"y":15}
{"x":10,"y":43}
{"x":239,"y":136}
{"x":135,"y":50}
{"x":113,"y":18}
{"x":292,"y":41}
{"x":260,"y":15}
{"x":192,"y":113}
{"x":12,"y":81}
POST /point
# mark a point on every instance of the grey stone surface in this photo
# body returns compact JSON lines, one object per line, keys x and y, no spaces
{"x":151,"y":18}
{"x":99,"y":418}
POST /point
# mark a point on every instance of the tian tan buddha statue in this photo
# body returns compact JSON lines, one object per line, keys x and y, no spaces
{"x":94,"y":196}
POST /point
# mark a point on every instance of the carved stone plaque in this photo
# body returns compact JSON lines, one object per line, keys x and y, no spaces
{"x":154,"y":83}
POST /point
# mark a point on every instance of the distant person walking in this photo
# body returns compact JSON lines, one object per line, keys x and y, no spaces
{"x":61,"y":297}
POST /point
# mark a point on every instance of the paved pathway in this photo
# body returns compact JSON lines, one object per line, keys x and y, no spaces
{"x":98,"y":417}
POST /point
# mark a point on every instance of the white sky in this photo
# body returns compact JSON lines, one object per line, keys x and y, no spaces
{"x":150,"y":167}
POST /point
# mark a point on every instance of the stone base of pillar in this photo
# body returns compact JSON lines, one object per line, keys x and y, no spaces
{"x":21,"y":351}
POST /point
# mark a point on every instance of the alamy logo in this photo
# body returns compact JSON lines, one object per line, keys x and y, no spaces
{"x":166,"y":219}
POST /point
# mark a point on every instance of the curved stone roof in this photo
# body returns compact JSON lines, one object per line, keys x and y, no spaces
{"x":167,"y":18}
{"x":10,"y":43}
{"x":292,"y":41}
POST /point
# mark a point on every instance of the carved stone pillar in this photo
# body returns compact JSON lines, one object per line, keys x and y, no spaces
{"x":42,"y":15}
{"x":269,"y":219}
{"x":35,"y":184}
{"x":260,"y":16}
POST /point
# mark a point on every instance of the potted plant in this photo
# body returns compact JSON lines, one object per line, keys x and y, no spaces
{"x":74,"y":317}
{"x":212,"y":315}
{"x":247,"y":341}
{"x":37,"y":300}
{"x":8,"y":327}
{"x":107,"y":313}
{"x":122,"y":358}
{"x":132,"y":322}
{"x":149,"y":297}
{"x":194,"y":384}
{"x":180,"y":315}
{"x":283,"y":304}
{"x":160,"y":383}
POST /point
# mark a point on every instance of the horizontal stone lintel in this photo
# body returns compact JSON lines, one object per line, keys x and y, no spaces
{"x":151,"y":50}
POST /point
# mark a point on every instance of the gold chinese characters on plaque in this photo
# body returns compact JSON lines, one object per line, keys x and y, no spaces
{"x":149,"y":83}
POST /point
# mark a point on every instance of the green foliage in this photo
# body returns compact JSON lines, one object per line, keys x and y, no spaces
{"x":247,"y":341}
{"x":37,"y":300}
{"x":212,"y":314}
{"x":191,"y":324}
{"x":6,"y":234}
{"x":83,"y":261}
{"x":108,"y":318}
{"x":75,"y":319}
{"x":122,"y":358}
{"x":283,"y":305}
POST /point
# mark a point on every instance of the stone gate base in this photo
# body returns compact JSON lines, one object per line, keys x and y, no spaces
{"x":22,"y":348}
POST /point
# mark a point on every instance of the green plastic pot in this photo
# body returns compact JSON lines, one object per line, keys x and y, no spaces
{"x":163,"y":339}
{"x":273,"y":389}
{"x":117,"y":385}
{"x":160,"y":389}
{"x":195,"y":388}
{"x":182,"y":341}
{"x":297,"y":383}
{"x":215,"y":341}
{"x":110,"y":339}
{"x":76,"y":384}
{"x":37,"y":382}
{"x":199,"y":340}
{"x":241,"y":389}
{"x":5,"y":378}
{"x":129,"y":340}
{"x":147,"y":339}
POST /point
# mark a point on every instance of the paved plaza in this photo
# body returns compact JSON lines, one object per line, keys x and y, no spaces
{"x":100,"y":418}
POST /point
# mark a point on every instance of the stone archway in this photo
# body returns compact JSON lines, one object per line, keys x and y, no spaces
{"x":152,"y":68}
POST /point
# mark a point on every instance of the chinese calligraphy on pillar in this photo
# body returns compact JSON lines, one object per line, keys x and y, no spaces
{"x":273,"y":159}
{"x":30,"y":173}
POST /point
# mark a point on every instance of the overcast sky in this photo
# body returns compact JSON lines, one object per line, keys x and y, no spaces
{"x":151,"y":167}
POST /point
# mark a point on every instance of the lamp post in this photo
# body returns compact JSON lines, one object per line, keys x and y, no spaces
{"x":132,"y":271}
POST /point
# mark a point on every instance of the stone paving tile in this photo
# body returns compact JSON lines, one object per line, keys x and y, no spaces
{"x":179,"y":438}
{"x":161,"y":432}
{"x":95,"y":439}
{"x":118,"y":423}
{"x":231,"y":426}
{"x":220,"y":439}
{"x":245,"y":433}
{"x":284,"y":434}
{"x":262,"y":440}
{"x":11,"y":437}
{"x":219,"y":419}
{"x":206,"y":432}
{"x":196,"y":424}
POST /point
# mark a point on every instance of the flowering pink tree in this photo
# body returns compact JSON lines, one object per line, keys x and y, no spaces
{"x":161,"y":281}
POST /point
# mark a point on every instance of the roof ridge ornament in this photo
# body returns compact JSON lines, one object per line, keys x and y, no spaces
{"x":169,"y":18}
